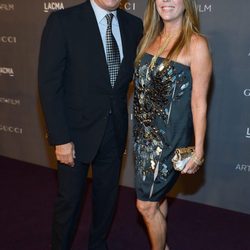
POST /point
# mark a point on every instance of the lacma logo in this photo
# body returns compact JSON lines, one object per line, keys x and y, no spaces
{"x":7,"y":7}
{"x":202,"y":8}
{"x":52,"y":6}
{"x":6,"y":71}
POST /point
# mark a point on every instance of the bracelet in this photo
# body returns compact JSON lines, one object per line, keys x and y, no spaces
{"x":196,"y":160}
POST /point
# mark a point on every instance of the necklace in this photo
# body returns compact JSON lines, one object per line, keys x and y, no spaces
{"x":159,"y":52}
{"x":161,"y":49}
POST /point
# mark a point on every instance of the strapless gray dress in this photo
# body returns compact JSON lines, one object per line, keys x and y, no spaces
{"x":162,"y":123}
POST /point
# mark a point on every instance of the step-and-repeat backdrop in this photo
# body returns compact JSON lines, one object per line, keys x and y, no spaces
{"x":224,"y":180}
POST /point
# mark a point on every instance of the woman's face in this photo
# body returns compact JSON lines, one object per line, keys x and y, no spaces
{"x":170,"y":10}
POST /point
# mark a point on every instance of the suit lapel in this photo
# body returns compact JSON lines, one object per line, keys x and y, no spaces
{"x":125,"y":44}
{"x":124,"y":33}
{"x":94,"y":37}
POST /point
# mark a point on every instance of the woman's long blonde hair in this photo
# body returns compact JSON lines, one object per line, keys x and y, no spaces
{"x":153,"y":26}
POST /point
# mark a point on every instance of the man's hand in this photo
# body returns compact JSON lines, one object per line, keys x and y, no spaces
{"x":65,"y":153}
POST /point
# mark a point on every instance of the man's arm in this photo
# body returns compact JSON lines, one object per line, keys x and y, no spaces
{"x":52,"y":61}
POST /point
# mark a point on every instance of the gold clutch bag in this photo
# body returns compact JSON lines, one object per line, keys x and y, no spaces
{"x":181,"y":157}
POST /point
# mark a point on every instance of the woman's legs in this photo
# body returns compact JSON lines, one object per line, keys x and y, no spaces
{"x":164,"y":211}
{"x":154,"y":215}
{"x":164,"y":207}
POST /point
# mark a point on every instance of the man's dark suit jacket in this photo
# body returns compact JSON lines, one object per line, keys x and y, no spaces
{"x":74,"y":85}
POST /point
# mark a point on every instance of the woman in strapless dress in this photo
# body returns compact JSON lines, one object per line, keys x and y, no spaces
{"x":172,"y":74}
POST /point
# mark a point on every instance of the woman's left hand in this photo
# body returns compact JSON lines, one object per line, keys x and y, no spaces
{"x":191,"y":167}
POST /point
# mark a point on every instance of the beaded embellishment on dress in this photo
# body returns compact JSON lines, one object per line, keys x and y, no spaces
{"x":156,"y":91}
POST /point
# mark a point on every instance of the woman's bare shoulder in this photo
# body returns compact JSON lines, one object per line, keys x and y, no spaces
{"x":199,"y":44}
{"x":201,"y":60}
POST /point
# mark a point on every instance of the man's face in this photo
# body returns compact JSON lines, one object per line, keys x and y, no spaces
{"x":108,"y":5}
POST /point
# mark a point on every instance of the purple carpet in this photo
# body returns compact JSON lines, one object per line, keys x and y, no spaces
{"x":27,"y":194}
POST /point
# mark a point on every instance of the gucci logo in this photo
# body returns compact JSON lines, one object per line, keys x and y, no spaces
{"x":8,"y":39}
{"x":10,"y":129}
{"x":248,"y":133}
{"x":247,"y":92}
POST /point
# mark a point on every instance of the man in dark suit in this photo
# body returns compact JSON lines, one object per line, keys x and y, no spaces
{"x":85,"y":66}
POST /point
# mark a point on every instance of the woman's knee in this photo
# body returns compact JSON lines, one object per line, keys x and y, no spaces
{"x":148,"y":209}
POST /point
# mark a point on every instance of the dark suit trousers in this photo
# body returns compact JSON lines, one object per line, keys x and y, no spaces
{"x":71,"y":189}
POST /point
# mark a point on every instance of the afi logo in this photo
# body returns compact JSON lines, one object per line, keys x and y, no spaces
{"x":10,"y":101}
{"x":248,"y":133}
{"x":8,"y":39}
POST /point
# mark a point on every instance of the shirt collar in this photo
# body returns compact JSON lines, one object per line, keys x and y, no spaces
{"x":101,"y":13}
